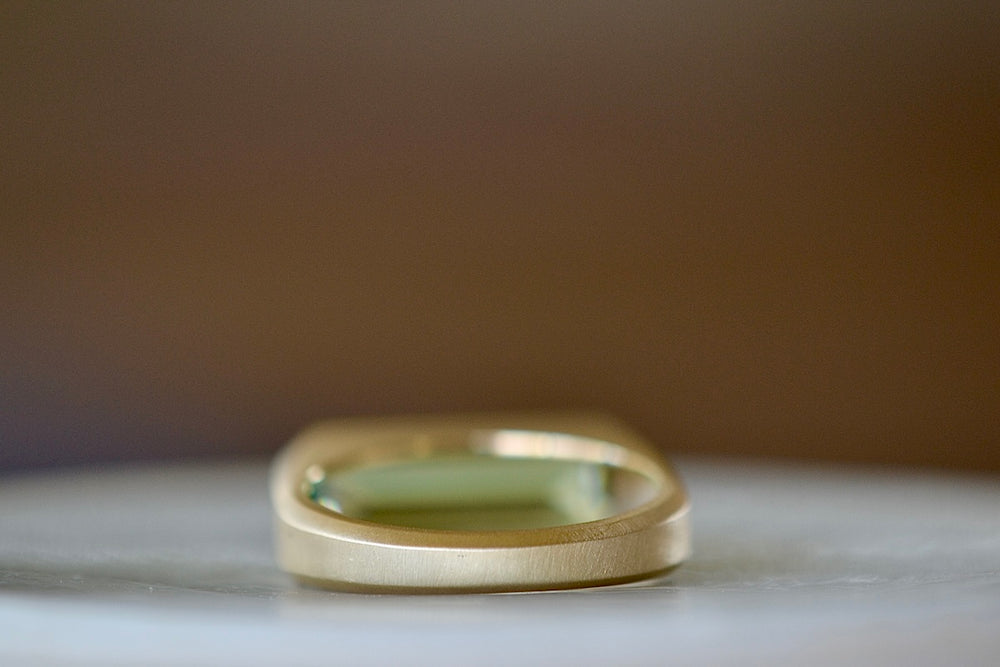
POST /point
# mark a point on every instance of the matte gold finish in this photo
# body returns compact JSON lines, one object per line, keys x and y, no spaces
{"x":646,"y":535}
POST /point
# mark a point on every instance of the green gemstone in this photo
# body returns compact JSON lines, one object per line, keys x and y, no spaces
{"x":477,"y":492}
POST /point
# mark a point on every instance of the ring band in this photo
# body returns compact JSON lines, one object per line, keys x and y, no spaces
{"x":476,"y":504}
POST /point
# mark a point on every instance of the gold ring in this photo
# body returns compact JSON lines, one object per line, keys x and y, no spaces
{"x":476,"y":504}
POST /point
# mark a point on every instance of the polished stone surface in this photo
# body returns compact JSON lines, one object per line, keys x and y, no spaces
{"x":792,"y":564}
{"x":474,"y":492}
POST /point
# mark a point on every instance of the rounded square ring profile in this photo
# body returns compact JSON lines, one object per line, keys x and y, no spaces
{"x":476,"y":503}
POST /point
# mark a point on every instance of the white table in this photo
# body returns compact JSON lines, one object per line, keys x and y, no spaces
{"x":792,"y":564}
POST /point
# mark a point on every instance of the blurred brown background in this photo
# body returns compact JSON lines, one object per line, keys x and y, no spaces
{"x":763,"y":229}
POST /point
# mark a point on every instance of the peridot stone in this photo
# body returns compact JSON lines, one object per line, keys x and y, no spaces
{"x":472,"y":492}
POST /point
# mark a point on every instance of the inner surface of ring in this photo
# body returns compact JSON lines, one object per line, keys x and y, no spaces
{"x":470,"y":490}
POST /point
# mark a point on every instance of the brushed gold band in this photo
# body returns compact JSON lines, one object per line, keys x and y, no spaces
{"x":322,"y":544}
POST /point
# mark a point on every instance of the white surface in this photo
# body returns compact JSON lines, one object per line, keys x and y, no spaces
{"x":172,"y":565}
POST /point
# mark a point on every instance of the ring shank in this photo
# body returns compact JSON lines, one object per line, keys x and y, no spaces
{"x":334,"y":550}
